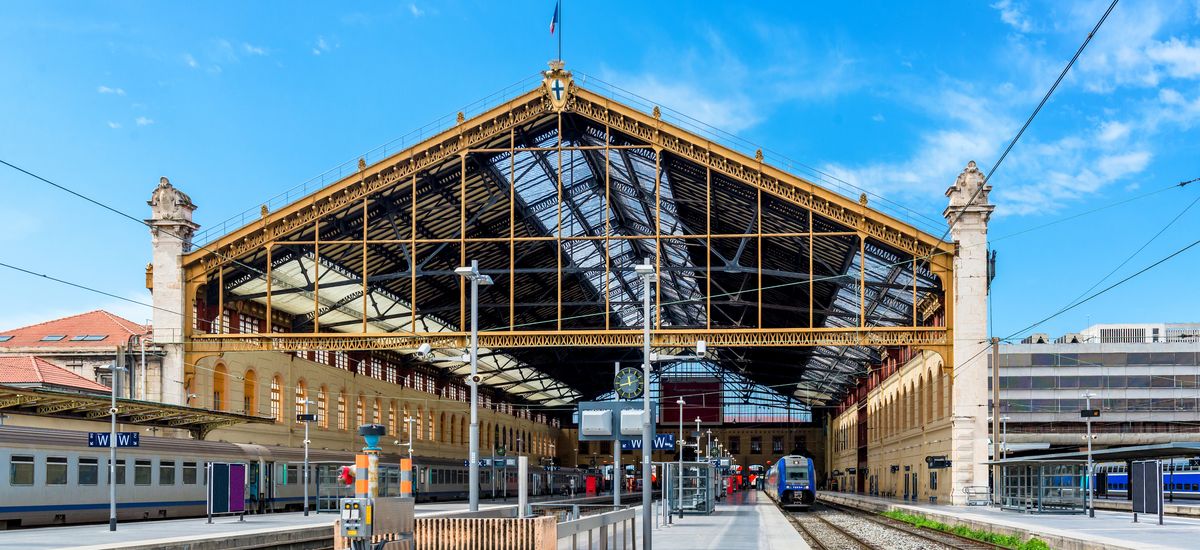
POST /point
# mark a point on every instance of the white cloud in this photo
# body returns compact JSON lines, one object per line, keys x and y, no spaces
{"x":1112,"y":130}
{"x":321,"y":46}
{"x":114,"y":125}
{"x":253,"y":50}
{"x":190,"y":61}
{"x":107,"y":90}
{"x":143,"y":121}
{"x":1013,"y":14}
{"x":731,"y":113}
{"x":1177,"y":57}
{"x":415,"y":11}
{"x":877,"y":117}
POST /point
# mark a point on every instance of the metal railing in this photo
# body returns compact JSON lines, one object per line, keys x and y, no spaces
{"x":608,"y":530}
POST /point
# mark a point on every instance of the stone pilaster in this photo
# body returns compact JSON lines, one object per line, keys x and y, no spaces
{"x":968,"y":213}
{"x":171,"y":230}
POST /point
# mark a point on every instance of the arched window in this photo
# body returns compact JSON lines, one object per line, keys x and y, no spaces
{"x":359,"y":414}
{"x":250,"y":393}
{"x":301,"y":398}
{"x":322,"y":408}
{"x":391,"y":421}
{"x":377,"y":413}
{"x":464,"y":434}
{"x":443,"y":436}
{"x":277,"y":398}
{"x":407,"y":427}
{"x":430,"y":432}
{"x":341,"y":411}
{"x":419,"y":425}
{"x":220,"y":376}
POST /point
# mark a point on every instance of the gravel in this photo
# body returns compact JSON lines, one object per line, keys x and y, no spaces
{"x":872,"y":533}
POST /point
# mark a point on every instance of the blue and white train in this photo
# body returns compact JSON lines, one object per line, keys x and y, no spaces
{"x":50,"y":476}
{"x":1181,"y":479}
{"x":790,"y":481}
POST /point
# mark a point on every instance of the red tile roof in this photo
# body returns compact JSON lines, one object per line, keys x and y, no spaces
{"x":115,"y":330}
{"x":27,"y":370}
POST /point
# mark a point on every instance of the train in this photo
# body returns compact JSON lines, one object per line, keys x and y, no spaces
{"x":790,"y":482}
{"x":54,"y":478}
{"x":1181,"y":479}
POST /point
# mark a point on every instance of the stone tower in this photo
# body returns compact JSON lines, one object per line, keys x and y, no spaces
{"x":171,"y":230}
{"x":968,"y":214}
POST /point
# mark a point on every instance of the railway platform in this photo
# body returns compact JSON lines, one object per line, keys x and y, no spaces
{"x":1109,"y":530}
{"x":746,"y":520}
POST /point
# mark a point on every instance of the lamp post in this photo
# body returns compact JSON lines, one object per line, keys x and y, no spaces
{"x":472,"y":274}
{"x":1091,"y":502}
{"x":307,"y":417}
{"x":112,"y":447}
{"x":682,"y":446}
{"x":647,"y":273}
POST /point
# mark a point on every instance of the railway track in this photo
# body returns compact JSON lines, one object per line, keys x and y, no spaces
{"x":934,"y":539}
{"x":823,"y":534}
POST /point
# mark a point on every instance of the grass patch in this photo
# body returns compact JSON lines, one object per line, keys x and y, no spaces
{"x":1007,"y":541}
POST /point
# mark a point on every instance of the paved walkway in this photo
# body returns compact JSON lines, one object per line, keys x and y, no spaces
{"x":1108,"y":529}
{"x":747,"y":520}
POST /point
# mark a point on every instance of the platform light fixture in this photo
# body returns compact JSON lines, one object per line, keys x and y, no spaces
{"x":646,"y":271}
{"x":472,"y":274}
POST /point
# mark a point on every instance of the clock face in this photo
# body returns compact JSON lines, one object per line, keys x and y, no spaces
{"x":628,"y":383}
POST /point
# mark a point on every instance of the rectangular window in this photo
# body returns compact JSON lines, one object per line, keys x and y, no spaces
{"x":166,"y":472}
{"x":56,"y":470}
{"x":142,"y":472}
{"x":735,"y":444}
{"x":20,"y":470}
{"x":89,"y":471}
{"x":189,"y":473}
{"x":756,"y":445}
{"x":1068,"y":382}
{"x":120,"y":472}
{"x":777,"y":443}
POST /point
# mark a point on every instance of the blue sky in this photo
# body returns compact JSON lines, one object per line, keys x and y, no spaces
{"x":236,"y":103}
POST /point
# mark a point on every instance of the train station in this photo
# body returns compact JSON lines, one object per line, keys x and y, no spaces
{"x":568,"y":316}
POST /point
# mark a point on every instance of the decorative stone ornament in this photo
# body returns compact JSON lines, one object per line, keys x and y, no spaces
{"x":558,"y":84}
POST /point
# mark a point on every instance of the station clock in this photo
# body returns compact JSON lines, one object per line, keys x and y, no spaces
{"x":629,"y":383}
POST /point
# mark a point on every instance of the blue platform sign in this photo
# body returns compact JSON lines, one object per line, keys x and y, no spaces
{"x":124,"y":439}
{"x":662,"y":442}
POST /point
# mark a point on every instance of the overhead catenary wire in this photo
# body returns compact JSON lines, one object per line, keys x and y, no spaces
{"x":1012,"y":143}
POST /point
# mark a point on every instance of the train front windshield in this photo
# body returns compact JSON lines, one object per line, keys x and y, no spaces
{"x":797,"y":473}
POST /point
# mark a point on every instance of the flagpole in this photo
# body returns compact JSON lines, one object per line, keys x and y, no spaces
{"x":560,"y":19}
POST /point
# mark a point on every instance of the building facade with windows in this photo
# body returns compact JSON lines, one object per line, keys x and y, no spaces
{"x":1144,"y":379}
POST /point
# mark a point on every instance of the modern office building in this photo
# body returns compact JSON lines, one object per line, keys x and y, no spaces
{"x":1144,"y":379}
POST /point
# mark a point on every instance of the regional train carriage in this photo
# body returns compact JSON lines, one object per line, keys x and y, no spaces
{"x":55,"y":478}
{"x":790,"y":481}
{"x":1180,"y":479}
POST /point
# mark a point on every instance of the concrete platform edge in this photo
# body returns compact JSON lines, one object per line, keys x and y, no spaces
{"x":290,"y":537}
{"x":1055,"y":540}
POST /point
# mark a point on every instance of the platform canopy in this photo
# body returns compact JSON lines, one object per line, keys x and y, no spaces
{"x":557,"y":193}
{"x":89,"y":406}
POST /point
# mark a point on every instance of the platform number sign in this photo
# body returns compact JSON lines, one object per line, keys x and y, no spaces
{"x":1089,"y":413}
{"x":124,"y":439}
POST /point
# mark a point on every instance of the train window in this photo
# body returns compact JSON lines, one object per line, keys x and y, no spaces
{"x":120,"y":471}
{"x":89,"y":470}
{"x":141,"y":472}
{"x":56,"y":470}
{"x":293,"y":474}
{"x":189,"y":473}
{"x":20,"y":470}
{"x":166,"y":472}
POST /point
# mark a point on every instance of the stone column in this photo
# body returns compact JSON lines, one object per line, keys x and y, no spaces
{"x":968,"y":213}
{"x":171,"y":230}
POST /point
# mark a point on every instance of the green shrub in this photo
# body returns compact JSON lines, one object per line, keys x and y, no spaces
{"x":1007,"y":541}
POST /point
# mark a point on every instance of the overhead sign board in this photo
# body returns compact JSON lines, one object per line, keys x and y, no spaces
{"x":124,"y":439}
{"x":609,"y":420}
{"x":1089,"y":413}
{"x":661,"y":442}
{"x":310,"y":417}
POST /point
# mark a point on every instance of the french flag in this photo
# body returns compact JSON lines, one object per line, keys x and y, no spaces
{"x":554,"y":20}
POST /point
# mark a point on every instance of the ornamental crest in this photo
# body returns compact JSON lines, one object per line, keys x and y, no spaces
{"x":557,"y":84}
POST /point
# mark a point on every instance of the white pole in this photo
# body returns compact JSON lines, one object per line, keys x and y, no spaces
{"x":473,"y":454}
{"x":647,"y":436}
{"x":522,"y":485}
{"x":1090,"y":502}
{"x":617,"y":478}
{"x":306,"y":411}
{"x":112,"y":444}
{"x":679,"y":475}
